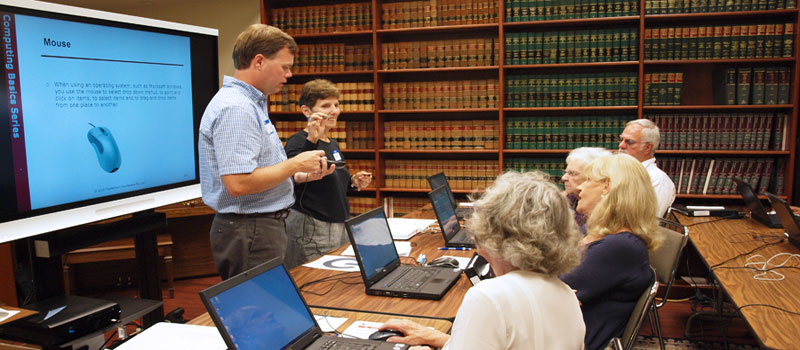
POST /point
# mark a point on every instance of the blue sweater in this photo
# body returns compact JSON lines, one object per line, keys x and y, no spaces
{"x":614,"y":273}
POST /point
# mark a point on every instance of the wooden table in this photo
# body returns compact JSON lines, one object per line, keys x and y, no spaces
{"x":352,"y":316}
{"x":351,"y":295}
{"x":722,"y":240}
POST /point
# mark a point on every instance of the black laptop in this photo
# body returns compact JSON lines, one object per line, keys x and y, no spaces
{"x":261,"y":308}
{"x":454,"y":235}
{"x":757,"y":210}
{"x":439,"y":180}
{"x":790,"y":222}
{"x":380,"y":264}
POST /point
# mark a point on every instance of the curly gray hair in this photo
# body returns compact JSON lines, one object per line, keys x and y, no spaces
{"x":523,"y":219}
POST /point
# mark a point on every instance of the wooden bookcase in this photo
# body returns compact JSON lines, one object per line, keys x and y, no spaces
{"x":697,"y":98}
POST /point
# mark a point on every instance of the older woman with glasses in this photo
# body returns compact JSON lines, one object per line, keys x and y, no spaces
{"x":523,"y":227}
{"x":573,"y":177}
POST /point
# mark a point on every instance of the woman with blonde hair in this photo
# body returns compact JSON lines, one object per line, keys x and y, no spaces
{"x":522,"y":225}
{"x":620,"y":203}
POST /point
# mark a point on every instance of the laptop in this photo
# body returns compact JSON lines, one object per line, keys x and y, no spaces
{"x":380,"y":265}
{"x":757,"y":210}
{"x":261,"y":308}
{"x":790,"y":222}
{"x":454,"y":235}
{"x":439,"y":180}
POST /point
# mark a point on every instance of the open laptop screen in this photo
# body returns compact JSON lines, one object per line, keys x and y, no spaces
{"x":374,"y":243}
{"x":438,"y":180}
{"x":263,"y":312}
{"x":751,"y":199}
{"x":445,"y":213}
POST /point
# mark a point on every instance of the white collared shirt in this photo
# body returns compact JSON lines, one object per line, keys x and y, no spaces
{"x":665,"y":189}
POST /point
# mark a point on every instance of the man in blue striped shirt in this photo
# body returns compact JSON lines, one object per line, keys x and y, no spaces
{"x":244,"y":171}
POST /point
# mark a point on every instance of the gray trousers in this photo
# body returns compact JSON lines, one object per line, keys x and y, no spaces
{"x":241,"y":242}
{"x":310,"y":238}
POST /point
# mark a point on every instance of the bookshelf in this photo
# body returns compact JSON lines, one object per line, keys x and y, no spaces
{"x":502,"y":70}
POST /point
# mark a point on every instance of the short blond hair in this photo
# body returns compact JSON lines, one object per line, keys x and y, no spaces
{"x":523,"y":219}
{"x":630,"y":202}
{"x":315,"y":90}
{"x":260,"y":39}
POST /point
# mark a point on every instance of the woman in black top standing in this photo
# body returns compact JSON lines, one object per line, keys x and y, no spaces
{"x":316,"y":220}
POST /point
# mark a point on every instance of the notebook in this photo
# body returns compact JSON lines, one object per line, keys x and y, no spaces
{"x":439,"y":180}
{"x":757,"y":210}
{"x":454,"y":235}
{"x":790,"y":223}
{"x":261,"y":308}
{"x":380,"y":265}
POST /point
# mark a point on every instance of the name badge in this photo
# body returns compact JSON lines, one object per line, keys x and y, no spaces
{"x":337,"y":156}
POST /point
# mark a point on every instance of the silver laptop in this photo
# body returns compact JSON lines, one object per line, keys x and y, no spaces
{"x":261,"y":308}
{"x":380,"y":265}
{"x":454,"y":235}
{"x":790,"y":223}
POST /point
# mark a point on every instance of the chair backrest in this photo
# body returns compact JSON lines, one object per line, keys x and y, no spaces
{"x":639,"y":313}
{"x":665,"y":259}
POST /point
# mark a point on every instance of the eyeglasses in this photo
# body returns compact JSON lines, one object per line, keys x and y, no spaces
{"x":629,"y":142}
{"x":571,"y":173}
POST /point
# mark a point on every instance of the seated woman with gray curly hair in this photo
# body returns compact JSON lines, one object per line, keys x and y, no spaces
{"x":524,"y":228}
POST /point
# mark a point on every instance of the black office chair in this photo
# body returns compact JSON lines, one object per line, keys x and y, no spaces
{"x":643,"y":306}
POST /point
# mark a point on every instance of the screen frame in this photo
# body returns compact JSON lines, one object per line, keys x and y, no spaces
{"x":393,"y":264}
{"x":38,"y":221}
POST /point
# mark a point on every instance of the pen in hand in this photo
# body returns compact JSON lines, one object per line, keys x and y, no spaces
{"x":455,"y":248}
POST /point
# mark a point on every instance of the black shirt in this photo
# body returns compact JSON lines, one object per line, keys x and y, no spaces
{"x":326,"y":198}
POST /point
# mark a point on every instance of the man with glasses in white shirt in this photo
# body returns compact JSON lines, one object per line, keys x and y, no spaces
{"x":640,"y":140}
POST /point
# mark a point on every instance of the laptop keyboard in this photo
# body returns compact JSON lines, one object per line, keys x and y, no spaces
{"x":333,"y":344}
{"x":411,"y":279}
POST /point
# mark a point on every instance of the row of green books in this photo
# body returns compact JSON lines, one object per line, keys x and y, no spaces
{"x":544,"y":10}
{"x":719,"y":42}
{"x":657,"y":7}
{"x":753,"y":86}
{"x":663,"y":89}
{"x":559,"y":132}
{"x":571,"y":90}
{"x":550,"y":166}
{"x":574,"y":46}
{"x":722,"y":131}
{"x":702,"y":175}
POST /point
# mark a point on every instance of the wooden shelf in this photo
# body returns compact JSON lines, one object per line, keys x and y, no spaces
{"x":316,"y":74}
{"x":723,"y":152}
{"x":720,"y":61}
{"x":439,"y":29}
{"x":574,"y":22}
{"x":576,"y":109}
{"x":363,"y":33}
{"x":358,"y":150}
{"x":573,"y":65}
{"x":717,"y":15}
{"x":442,"y":110}
{"x":436,"y":70}
{"x":298,"y":113}
{"x":438,"y":151}
{"x":717,"y":107}
{"x":417,"y":190}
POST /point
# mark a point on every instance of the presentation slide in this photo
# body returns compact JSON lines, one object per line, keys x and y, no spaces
{"x":105,"y":110}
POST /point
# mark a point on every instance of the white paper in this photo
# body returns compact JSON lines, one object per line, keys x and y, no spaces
{"x":334,"y":262}
{"x":329,"y":323}
{"x":403,"y":249}
{"x":466,"y":204}
{"x":6,"y":314}
{"x":165,"y":335}
{"x":362,"y":329}
{"x":403,"y":228}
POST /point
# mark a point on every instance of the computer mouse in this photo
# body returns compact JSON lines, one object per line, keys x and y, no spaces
{"x":444,"y":261}
{"x":106,"y":148}
{"x":385,"y":334}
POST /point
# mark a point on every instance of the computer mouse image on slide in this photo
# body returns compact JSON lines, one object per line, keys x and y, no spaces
{"x":106,"y":148}
{"x":385,"y":334}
